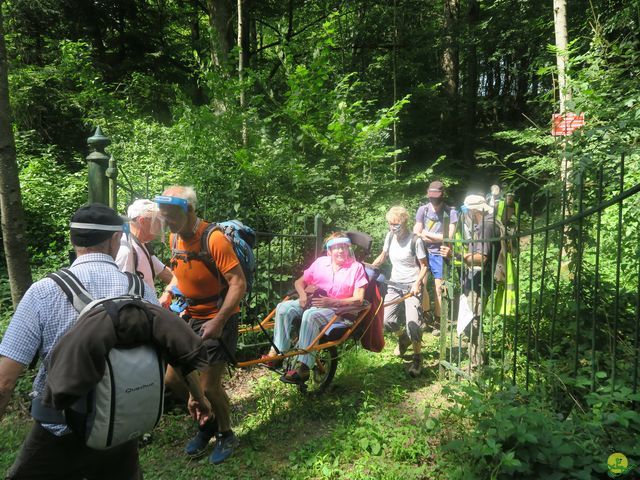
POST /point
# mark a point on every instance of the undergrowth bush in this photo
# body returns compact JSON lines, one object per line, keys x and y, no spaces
{"x":500,"y":434}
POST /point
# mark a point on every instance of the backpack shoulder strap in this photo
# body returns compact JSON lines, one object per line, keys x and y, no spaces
{"x":72,"y":287}
{"x":205,"y":253}
{"x":143,"y":247}
{"x":135,"y":287}
{"x":204,"y":239}
{"x":387,"y":241}
{"x":414,"y":239}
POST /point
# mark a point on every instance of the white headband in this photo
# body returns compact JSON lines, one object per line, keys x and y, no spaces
{"x":95,"y":226}
{"x":337,"y":241}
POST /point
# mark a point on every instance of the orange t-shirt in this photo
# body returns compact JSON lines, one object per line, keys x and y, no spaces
{"x":195,"y":280}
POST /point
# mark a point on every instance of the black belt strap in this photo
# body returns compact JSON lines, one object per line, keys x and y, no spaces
{"x":192,"y":302}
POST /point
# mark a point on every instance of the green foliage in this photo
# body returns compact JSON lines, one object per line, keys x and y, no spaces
{"x":50,"y":193}
{"x":512,"y":433}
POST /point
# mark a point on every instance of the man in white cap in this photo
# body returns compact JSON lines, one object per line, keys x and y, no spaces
{"x":480,"y":227}
{"x":134,"y":255}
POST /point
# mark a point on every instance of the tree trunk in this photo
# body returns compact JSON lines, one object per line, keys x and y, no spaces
{"x":562,"y":44}
{"x":13,"y":222}
{"x":241,"y":60}
{"x":471,"y":87}
{"x":566,"y":166}
{"x":523,"y":80}
{"x":198,"y":93}
{"x":222,"y":37}
{"x":451,"y":64}
{"x":253,"y":41}
{"x":394,"y":58}
{"x":246,"y":31}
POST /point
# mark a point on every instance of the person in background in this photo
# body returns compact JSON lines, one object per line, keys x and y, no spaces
{"x":506,"y":213}
{"x":213,"y":309}
{"x":429,"y":227}
{"x":134,"y":255}
{"x":409,"y":269}
{"x":494,"y":196}
{"x":477,"y":260}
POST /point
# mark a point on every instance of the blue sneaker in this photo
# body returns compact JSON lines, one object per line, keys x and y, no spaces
{"x":225,"y":445}
{"x":197,"y":445}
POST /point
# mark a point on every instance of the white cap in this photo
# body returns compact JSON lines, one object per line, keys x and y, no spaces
{"x":477,"y":202}
{"x":141,"y":207}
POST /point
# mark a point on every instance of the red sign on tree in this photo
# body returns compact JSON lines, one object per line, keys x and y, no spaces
{"x":566,"y":124}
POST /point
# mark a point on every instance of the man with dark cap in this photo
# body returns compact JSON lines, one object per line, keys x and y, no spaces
{"x":43,"y":316}
{"x":430,"y":227}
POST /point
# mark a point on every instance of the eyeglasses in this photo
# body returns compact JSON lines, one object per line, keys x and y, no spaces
{"x":394,"y":224}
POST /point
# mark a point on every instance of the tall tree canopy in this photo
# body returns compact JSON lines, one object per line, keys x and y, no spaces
{"x":460,"y":83}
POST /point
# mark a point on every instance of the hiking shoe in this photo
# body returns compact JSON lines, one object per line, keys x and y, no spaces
{"x":298,"y":376}
{"x":403,"y":343}
{"x":197,"y":445}
{"x":225,"y":445}
{"x":416,"y":366}
{"x":435,"y":327}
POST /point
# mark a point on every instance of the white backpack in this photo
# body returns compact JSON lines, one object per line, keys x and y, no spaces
{"x":128,"y":401}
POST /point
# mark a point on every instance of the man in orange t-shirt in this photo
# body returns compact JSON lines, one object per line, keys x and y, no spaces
{"x":213,"y":296}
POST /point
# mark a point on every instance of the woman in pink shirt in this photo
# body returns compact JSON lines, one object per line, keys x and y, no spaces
{"x":340,"y":280}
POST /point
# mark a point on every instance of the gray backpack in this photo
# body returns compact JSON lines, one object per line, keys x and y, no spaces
{"x":128,"y":401}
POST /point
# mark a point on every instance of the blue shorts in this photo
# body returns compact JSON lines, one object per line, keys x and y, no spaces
{"x":435,"y":264}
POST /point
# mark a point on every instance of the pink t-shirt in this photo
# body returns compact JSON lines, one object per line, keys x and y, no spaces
{"x":340,"y":284}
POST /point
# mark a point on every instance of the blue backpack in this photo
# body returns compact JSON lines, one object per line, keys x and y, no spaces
{"x":243,"y":239}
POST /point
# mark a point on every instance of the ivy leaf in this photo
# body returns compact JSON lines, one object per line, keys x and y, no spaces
{"x":364,"y":444}
{"x":375,"y":447}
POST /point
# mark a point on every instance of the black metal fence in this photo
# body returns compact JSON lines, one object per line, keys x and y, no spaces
{"x":576,"y":287}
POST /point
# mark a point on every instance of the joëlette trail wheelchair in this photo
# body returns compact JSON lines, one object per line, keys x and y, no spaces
{"x":362,"y":324}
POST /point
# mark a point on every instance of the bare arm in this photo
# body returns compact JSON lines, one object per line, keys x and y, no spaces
{"x":380,"y":259}
{"x":10,"y":370}
{"x":300,"y":285}
{"x":432,"y":237}
{"x":166,"y":275}
{"x":198,"y":405}
{"x":417,"y":286}
{"x":425,"y":235}
{"x":475,"y":259}
{"x":328,"y":302}
{"x":452,"y":230}
{"x":236,"y":287}
{"x":167,"y":295}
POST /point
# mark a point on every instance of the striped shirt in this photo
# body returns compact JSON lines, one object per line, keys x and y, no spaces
{"x":45,"y":314}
